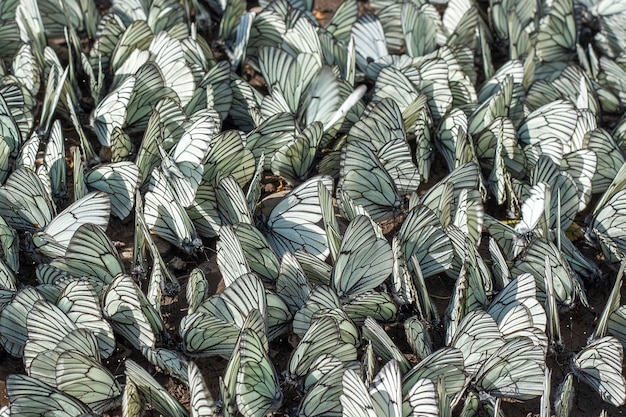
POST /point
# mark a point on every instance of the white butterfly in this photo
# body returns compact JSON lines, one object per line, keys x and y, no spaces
{"x":166,"y":217}
{"x":599,"y":364}
{"x":292,"y":223}
{"x":384,"y":396}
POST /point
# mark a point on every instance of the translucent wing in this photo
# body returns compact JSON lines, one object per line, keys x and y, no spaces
{"x":318,"y":298}
{"x":599,"y":364}
{"x":383,"y":345}
{"x":111,"y":111}
{"x":13,"y":334}
{"x":154,"y":392}
{"x":533,"y":260}
{"x":88,"y":381}
{"x":166,"y":217}
{"x":364,"y":179}
{"x":94,"y":208}
{"x":260,"y":256}
{"x":516,"y":308}
{"x":228,"y":157}
{"x":30,"y":397}
{"x":354,"y":272}
{"x":55,"y":161}
{"x":81,"y":304}
{"x":132,"y":403}
{"x":355,"y":399}
{"x":230,"y":257}
{"x":478,"y":337}
{"x":10,"y":245}
{"x":514,"y":371}
{"x":431,"y":247}
{"x":324,"y":336}
{"x":125,"y":306}
{"x":201,"y":402}
{"x":91,"y":254}
{"x":25,"y":203}
{"x":294,"y":160}
{"x":120,"y":180}
{"x":446,"y":363}
{"x":292,"y":223}
{"x":557,"y":32}
{"x":422,"y":399}
{"x":258,"y":389}
{"x":184,"y":166}
{"x":170,"y":59}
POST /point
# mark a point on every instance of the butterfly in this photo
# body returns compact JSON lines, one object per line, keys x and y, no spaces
{"x":292,"y":223}
{"x":384,"y":396}
{"x":599,"y":364}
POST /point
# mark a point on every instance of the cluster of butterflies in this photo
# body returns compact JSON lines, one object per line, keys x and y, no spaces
{"x":355,"y":116}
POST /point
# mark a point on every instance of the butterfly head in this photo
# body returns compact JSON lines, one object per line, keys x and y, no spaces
{"x":192,"y":246}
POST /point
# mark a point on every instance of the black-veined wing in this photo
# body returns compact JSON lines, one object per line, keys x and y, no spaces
{"x":258,"y":389}
{"x":80,"y":302}
{"x":382,"y":344}
{"x":201,"y":402}
{"x":169,"y":57}
{"x":47,"y":327}
{"x":230,"y":257}
{"x":90,"y":253}
{"x":31,"y":397}
{"x":609,"y":158}
{"x":260,"y":256}
{"x":43,"y":359}
{"x":364,"y":179}
{"x":356,"y":401}
{"x":354,"y":272}
{"x":324,"y":390}
{"x":431,"y":247}
{"x":228,"y":156}
{"x":314,"y":297}
{"x":214,"y":327}
{"x":557,"y":34}
{"x":10,"y":245}
{"x":294,"y":160}
{"x":270,"y":135}
{"x":130,"y":313}
{"x":382,"y":128}
{"x":446,"y":363}
{"x":149,"y":88}
{"x":548,"y":130}
{"x":606,"y":227}
{"x":516,"y":308}
{"x":13,"y":333}
{"x":120,"y":180}
{"x":111,"y":111}
{"x":418,"y":337}
{"x":292,"y":223}
{"x":325,"y":336}
{"x":477,"y":336}
{"x":184,"y":165}
{"x":515,"y":370}
{"x":168,"y":361}
{"x":370,"y":44}
{"x":87,"y":380}
{"x":25,"y":202}
{"x":54,"y":240}
{"x":599,"y":364}
{"x":422,"y":28}
{"x":54,"y":161}
{"x":153,"y":392}
{"x":532,"y":260}
{"x":166,"y":217}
